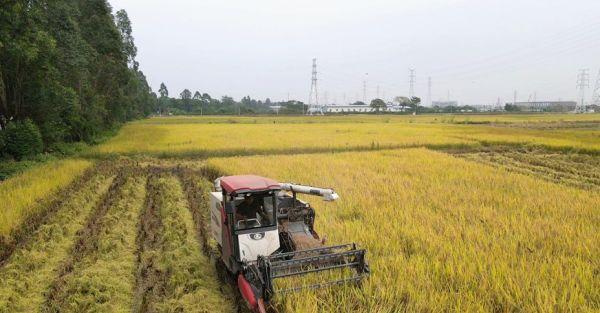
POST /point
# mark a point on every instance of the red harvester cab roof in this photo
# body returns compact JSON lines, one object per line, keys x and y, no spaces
{"x":234,"y":184}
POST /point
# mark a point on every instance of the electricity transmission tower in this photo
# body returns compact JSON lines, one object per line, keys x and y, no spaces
{"x":583,"y":82}
{"x":411,"y":77}
{"x":596,"y":94}
{"x":313,"y":97}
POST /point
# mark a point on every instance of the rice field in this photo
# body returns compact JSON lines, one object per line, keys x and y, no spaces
{"x":184,"y":137}
{"x":446,"y":233}
{"x":480,"y":213}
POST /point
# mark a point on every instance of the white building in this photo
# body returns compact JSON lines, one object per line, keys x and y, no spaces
{"x":335,"y":108}
{"x":349,"y":108}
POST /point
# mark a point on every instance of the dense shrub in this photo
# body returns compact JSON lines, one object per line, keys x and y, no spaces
{"x":2,"y":142}
{"x":23,"y":139}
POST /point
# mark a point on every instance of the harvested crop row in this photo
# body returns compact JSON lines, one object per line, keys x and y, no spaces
{"x":196,"y":190}
{"x":86,"y":244}
{"x":30,"y":270}
{"x":574,"y":170}
{"x":29,"y":199}
{"x":189,"y":281}
{"x":149,"y":280}
{"x":103,"y":280}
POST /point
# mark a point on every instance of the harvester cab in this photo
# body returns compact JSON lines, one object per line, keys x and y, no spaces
{"x":264,"y":232}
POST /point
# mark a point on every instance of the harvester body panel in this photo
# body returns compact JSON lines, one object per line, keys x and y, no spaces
{"x":216,"y":227}
{"x":252,"y":245}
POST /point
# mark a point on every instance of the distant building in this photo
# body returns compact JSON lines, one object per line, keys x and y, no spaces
{"x":487,"y":107}
{"x":349,"y":108}
{"x":335,"y":108}
{"x":547,"y":106}
{"x":443,"y":104}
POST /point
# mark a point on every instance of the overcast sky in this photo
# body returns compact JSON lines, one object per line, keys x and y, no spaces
{"x":473,"y":50}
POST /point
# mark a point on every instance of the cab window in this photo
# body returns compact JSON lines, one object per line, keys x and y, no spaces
{"x":254,"y":210}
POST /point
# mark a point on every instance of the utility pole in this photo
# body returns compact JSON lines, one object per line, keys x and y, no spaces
{"x":596,"y":94}
{"x":583,"y":81}
{"x":411,"y":79}
{"x":429,"y":103}
{"x":377,"y":91}
{"x":515,"y":98}
{"x":313,"y":97}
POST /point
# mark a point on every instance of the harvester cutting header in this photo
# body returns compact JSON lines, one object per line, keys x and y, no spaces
{"x":265,"y":233}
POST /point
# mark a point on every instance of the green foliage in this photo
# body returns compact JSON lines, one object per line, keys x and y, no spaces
{"x":511,"y":108}
{"x":378,"y":104}
{"x":23,"y":139}
{"x":69,"y":67}
{"x":2,"y":142}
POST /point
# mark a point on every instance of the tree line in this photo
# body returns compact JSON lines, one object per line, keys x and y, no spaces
{"x":198,"y":103}
{"x":68,"y":73}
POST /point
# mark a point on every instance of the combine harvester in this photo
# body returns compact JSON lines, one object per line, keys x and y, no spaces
{"x":264,"y":233}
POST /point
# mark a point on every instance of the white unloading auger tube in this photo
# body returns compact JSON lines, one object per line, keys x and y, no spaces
{"x":327,"y":194}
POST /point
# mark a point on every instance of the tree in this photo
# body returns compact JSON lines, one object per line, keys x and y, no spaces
{"x":23,"y":139}
{"x":359,"y":103}
{"x":186,"y":97}
{"x":511,"y":108}
{"x":403,"y":101}
{"x":377,"y":104}
{"x":64,"y":67}
{"x":124,"y":26}
{"x":414,"y":103}
{"x":163,"y":91}
{"x":197,"y":95}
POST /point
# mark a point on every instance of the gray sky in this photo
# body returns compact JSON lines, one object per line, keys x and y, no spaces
{"x":478,"y":50}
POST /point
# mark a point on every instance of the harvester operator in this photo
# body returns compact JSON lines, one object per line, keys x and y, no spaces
{"x":247,"y":208}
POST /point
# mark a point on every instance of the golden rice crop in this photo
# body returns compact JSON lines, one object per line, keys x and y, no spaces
{"x":20,"y":193}
{"x":446,"y":234}
{"x":364,"y":118}
{"x":194,"y":137}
